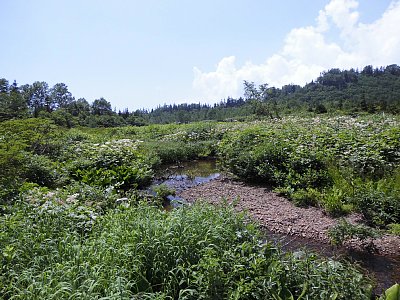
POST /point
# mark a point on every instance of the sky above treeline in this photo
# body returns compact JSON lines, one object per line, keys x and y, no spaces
{"x":141,"y":54}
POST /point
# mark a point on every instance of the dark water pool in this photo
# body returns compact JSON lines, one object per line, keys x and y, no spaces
{"x":186,"y":175}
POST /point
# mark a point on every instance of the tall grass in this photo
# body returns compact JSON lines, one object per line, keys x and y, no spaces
{"x":198,"y":252}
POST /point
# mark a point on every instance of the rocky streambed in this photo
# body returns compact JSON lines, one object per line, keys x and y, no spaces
{"x":299,"y":227}
{"x":284,"y":223}
{"x":279,"y":215}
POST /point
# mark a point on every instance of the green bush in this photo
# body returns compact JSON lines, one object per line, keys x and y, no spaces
{"x":345,"y":231}
{"x":41,"y":170}
{"x":378,"y":207}
{"x":394,"y":229}
{"x":306,"y":197}
{"x":177,"y":151}
{"x":271,"y":157}
{"x":25,"y":146}
{"x":162,"y":192}
{"x":117,"y":164}
{"x":333,"y":201}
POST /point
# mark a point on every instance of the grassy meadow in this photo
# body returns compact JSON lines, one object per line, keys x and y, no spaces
{"x":75,"y":224}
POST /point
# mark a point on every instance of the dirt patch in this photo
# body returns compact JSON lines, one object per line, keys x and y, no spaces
{"x":279,"y":215}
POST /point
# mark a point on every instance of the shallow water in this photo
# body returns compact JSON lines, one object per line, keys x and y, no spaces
{"x":186,"y":175}
{"x":197,"y":171}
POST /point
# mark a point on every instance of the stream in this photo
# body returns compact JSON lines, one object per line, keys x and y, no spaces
{"x":184,"y":176}
{"x":384,"y":270}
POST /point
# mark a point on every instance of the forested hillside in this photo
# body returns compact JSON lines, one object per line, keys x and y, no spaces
{"x":343,"y":91}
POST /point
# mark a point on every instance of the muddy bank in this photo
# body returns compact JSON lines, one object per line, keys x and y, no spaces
{"x":278,"y":215}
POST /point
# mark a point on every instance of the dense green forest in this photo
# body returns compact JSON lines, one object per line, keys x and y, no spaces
{"x":77,"y":223}
{"x":334,"y":91}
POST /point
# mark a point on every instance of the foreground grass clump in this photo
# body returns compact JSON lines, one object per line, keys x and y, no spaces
{"x":141,"y":252}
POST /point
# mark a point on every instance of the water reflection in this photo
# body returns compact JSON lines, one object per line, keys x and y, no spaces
{"x":188,"y":174}
{"x":190,"y":169}
{"x":185,"y":175}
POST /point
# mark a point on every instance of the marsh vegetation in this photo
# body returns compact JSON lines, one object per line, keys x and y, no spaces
{"x":75,"y":224}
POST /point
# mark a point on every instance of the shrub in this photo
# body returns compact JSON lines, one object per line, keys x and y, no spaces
{"x":272,"y":157}
{"x":162,"y":192}
{"x":41,"y":170}
{"x":116,"y":164}
{"x":306,"y":197}
{"x":378,"y":208}
{"x":394,"y":229}
{"x":178,"y":151}
{"x":333,"y":201}
{"x":345,"y":231}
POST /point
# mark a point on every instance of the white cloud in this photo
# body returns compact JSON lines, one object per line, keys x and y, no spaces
{"x":340,"y":11}
{"x":306,"y":52}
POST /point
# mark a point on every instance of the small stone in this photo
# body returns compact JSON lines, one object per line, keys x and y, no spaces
{"x":121,"y":200}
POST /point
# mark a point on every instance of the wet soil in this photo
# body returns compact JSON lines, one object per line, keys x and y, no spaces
{"x":295,"y":228}
{"x":278,"y":215}
{"x":291,"y":227}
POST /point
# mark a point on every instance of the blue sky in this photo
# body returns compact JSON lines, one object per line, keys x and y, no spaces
{"x":140,"y":54}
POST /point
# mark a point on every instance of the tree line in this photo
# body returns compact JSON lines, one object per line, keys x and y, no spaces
{"x":39,"y":100}
{"x":346,"y":91}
